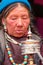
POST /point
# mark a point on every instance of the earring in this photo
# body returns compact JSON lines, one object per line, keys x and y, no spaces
{"x":4,"y":26}
{"x":29,"y":32}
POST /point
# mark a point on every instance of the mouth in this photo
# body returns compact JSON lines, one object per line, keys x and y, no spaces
{"x":19,"y":31}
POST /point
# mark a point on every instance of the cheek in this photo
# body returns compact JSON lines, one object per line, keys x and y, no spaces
{"x":10,"y":26}
{"x":11,"y":23}
{"x":27,"y":23}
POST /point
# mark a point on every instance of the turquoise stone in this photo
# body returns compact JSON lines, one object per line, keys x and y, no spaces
{"x":25,"y":56}
{"x":24,"y":62}
{"x":14,"y":63}
{"x":11,"y":58}
{"x":9,"y":52}
{"x":19,"y":64}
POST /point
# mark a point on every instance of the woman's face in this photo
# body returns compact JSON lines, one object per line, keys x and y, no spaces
{"x":17,"y":21}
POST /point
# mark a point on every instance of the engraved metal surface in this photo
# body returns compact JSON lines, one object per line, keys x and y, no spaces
{"x":30,"y":48}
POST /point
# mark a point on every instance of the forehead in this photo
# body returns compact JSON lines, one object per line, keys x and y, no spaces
{"x":19,"y":9}
{"x":15,"y":8}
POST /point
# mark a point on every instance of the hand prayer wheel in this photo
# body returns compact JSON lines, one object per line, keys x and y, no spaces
{"x":31,"y":47}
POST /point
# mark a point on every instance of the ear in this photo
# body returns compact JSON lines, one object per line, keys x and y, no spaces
{"x":4,"y":24}
{"x":3,"y":20}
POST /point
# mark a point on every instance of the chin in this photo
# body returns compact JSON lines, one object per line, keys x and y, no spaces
{"x":18,"y":36}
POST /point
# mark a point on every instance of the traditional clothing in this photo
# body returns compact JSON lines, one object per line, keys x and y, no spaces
{"x":16,"y":51}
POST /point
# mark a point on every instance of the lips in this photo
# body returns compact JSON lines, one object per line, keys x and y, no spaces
{"x":19,"y":31}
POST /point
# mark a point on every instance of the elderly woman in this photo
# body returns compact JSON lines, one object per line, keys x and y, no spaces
{"x":16,"y":19}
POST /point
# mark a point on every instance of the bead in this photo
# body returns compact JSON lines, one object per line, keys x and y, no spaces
{"x":31,"y":62}
{"x":14,"y":64}
{"x":7,"y":46}
{"x":19,"y":64}
{"x":10,"y":55}
{"x":25,"y":56}
{"x":11,"y":58}
{"x":24,"y":62}
{"x":9,"y":52}
{"x":8,"y":49}
{"x":12,"y":61}
{"x":25,"y":59}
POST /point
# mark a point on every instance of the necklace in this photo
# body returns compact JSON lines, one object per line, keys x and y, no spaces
{"x":8,"y":38}
{"x":11,"y":58}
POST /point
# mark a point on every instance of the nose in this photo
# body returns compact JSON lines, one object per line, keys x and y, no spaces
{"x":20,"y":23}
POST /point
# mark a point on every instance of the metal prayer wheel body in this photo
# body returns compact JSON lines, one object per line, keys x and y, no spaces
{"x":30,"y":47}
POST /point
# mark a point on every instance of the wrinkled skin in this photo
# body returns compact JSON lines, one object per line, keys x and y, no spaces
{"x":17,"y":21}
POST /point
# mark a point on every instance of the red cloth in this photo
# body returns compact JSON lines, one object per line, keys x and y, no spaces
{"x":39,"y":25}
{"x":38,"y":2}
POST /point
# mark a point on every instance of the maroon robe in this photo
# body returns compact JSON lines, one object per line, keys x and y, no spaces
{"x":16,"y":52}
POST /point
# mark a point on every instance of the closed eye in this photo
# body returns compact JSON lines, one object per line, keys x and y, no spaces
{"x":24,"y":17}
